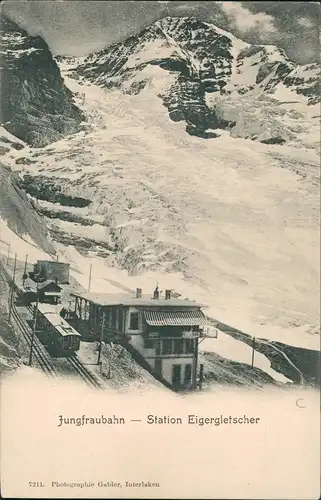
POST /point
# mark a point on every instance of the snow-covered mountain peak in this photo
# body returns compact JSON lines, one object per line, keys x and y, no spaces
{"x":200,"y":71}
{"x":189,"y":25}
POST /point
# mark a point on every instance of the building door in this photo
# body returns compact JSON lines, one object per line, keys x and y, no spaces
{"x":176,"y":374}
{"x":188,"y":374}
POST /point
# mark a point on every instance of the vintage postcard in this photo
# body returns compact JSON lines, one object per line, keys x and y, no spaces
{"x":160,"y":250}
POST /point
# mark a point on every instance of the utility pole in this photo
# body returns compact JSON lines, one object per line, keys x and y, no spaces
{"x":25,"y":271}
{"x":89,"y":282}
{"x":9,"y":247}
{"x":201,"y":376}
{"x":11,"y":293}
{"x":34,"y":322}
{"x":196,"y":342}
{"x":253,"y":351}
{"x":101,"y":337}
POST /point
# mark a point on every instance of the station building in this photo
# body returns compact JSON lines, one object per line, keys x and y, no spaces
{"x":164,"y":330}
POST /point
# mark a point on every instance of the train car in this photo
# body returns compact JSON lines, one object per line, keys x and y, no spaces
{"x":25,"y":296}
{"x":55,"y":332}
{"x":48,"y":292}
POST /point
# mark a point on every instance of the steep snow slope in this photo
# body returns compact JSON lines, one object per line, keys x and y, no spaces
{"x":235,"y":222}
{"x":19,"y":214}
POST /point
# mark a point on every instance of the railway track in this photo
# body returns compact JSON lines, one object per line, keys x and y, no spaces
{"x":44,"y":360}
{"x":83,"y":372}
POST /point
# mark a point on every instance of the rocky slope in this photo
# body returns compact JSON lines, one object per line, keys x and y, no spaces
{"x":36,"y":106}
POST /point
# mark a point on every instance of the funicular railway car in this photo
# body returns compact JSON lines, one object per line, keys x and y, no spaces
{"x":25,"y":296}
{"x":19,"y":290}
{"x":55,"y":332}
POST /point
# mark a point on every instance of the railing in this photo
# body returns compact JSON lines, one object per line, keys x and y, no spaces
{"x":191,"y":334}
{"x":167,"y":334}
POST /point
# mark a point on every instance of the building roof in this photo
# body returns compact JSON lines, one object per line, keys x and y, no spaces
{"x":44,"y":284}
{"x":49,"y":309}
{"x":114,"y":299}
{"x":175,"y":318}
{"x":53,"y":262}
{"x":31,"y":286}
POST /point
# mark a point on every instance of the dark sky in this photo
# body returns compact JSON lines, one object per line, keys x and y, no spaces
{"x":79,"y":27}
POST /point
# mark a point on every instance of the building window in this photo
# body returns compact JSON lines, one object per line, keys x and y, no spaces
{"x":189,"y":346}
{"x":120,"y":320}
{"x":86,"y":311}
{"x":176,"y":374}
{"x":102,"y":317}
{"x":188,"y":374}
{"x":158,"y":366}
{"x":108,"y":318}
{"x":167,"y":346}
{"x":149,"y":343}
{"x":178,"y":346}
{"x":114,"y":317}
{"x":134,"y":321}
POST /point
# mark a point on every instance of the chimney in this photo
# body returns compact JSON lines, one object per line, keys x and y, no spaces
{"x":138,"y":293}
{"x":168,"y":294}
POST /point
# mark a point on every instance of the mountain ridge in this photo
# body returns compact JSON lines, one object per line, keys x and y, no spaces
{"x":206,"y":77}
{"x":195,"y":67}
